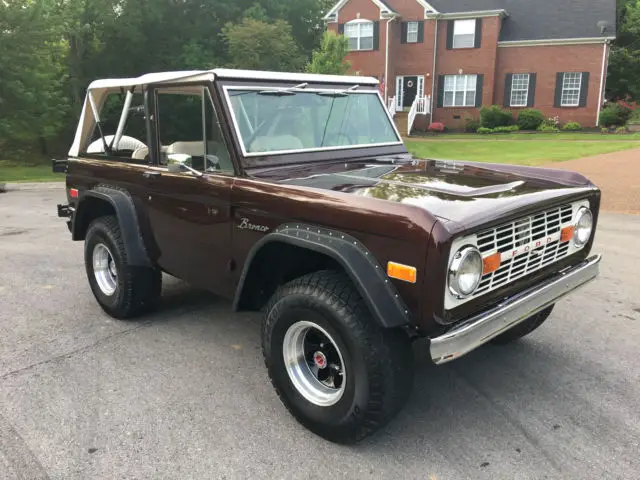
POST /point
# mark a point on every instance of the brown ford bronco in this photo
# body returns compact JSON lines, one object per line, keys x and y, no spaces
{"x":295,"y":195}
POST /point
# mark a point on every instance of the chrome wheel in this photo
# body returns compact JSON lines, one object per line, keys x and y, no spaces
{"x":104,"y":269}
{"x":314,"y":363}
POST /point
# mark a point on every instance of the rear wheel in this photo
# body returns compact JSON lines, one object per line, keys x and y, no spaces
{"x":122,"y":290}
{"x":524,"y":328}
{"x":335,"y":370}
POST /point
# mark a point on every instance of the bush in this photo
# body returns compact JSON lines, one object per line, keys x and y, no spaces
{"x":530,"y":119}
{"x":484,"y":131}
{"x":634,"y":119}
{"x":436,"y":127}
{"x":494,"y":116}
{"x":621,"y":130}
{"x":604,"y":130}
{"x":546,"y":128}
{"x":572,"y":127}
{"x":614,"y":114}
{"x":471,"y":125}
{"x":508,"y":129}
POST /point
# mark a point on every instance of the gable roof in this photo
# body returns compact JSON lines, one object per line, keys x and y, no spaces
{"x":542,"y":19}
{"x":381,"y":4}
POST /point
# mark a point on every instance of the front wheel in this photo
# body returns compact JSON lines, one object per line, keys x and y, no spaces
{"x":335,"y":370}
{"x":122,"y":290}
{"x":523,"y":328}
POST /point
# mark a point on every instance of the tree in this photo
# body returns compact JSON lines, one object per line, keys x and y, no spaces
{"x":330,"y":57}
{"x":32,"y":100}
{"x":257,"y":45}
{"x":624,"y":63}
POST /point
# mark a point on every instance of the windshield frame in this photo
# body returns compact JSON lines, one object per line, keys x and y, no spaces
{"x":366,"y":90}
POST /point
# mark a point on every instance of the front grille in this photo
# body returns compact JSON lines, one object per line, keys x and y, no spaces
{"x":544,"y":227}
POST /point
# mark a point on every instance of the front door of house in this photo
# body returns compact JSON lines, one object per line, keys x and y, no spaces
{"x":410,"y":90}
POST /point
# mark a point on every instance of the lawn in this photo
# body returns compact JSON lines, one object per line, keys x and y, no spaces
{"x":520,"y":149}
{"x":11,"y":171}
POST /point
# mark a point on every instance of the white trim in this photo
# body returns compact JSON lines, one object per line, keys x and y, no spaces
{"x":399,"y":92}
{"x":427,"y":6}
{"x":332,"y":15}
{"x":434,"y":94}
{"x":305,"y":150}
{"x":386,"y":63}
{"x":473,"y":14}
{"x":526,"y":97}
{"x":562,"y":91}
{"x":359,"y":23}
{"x":602,"y":80}
{"x":294,"y":77}
{"x":555,"y":41}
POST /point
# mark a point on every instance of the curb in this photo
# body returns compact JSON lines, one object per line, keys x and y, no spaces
{"x":9,"y":187}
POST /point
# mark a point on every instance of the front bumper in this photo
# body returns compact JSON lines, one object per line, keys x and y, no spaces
{"x":481,"y":328}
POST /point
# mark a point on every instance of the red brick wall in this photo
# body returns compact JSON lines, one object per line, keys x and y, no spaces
{"x":546,"y":61}
{"x":467,"y":61}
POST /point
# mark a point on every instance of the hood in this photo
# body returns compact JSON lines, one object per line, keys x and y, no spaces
{"x":466,"y":192}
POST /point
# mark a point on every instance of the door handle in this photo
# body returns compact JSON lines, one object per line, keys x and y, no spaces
{"x":152,"y":174}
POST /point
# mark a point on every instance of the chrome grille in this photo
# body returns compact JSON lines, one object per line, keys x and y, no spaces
{"x":524,"y":231}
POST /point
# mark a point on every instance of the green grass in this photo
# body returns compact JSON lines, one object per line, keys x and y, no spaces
{"x":12,"y":171}
{"x":536,"y":137}
{"x":537,"y":150}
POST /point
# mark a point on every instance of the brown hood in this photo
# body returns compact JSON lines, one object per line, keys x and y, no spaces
{"x":467,"y":193}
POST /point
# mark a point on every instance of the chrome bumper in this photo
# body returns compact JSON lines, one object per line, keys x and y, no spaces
{"x":477,"y":330}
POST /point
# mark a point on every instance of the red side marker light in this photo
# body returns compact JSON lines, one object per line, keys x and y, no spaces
{"x":73,"y":192}
{"x":491,"y":263}
{"x":566,"y":233}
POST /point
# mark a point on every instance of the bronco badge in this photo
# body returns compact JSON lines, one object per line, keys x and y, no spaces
{"x":245,"y":224}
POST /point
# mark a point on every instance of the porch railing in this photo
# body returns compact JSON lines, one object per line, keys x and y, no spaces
{"x":391,"y":105}
{"x":420,"y":106}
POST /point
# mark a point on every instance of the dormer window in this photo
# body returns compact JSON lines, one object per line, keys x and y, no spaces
{"x":360,"y":34}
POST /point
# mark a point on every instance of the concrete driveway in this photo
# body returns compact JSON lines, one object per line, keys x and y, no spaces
{"x":183,"y":393}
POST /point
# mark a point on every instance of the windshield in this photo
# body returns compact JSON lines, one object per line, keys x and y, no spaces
{"x":284,"y":120}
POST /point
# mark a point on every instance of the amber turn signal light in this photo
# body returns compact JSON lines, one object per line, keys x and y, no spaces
{"x":566,"y":233}
{"x":491,"y":263}
{"x":402,"y":272}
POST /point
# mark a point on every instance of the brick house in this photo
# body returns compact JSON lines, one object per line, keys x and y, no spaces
{"x":547,"y":54}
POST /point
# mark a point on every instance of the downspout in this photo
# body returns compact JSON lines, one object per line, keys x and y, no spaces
{"x":386,"y":63}
{"x":602,"y":80}
{"x":433,"y":75}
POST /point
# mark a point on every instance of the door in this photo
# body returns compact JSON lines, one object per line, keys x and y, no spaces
{"x":410,"y":89}
{"x":189,"y":213}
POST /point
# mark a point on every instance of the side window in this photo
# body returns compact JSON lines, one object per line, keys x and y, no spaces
{"x":130,"y":144}
{"x":188,"y":129}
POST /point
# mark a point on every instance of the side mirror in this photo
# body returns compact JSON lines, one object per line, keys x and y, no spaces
{"x":179,"y":162}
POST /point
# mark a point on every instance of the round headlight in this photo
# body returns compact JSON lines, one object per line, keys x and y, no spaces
{"x":465,"y":271}
{"x":583,"y":227}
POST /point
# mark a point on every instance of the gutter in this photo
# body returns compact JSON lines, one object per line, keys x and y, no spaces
{"x":433,"y":75}
{"x":554,"y":41}
{"x":386,"y":63}
{"x":603,"y":80}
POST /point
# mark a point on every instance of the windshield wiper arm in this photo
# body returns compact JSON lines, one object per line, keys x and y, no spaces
{"x":283,"y":91}
{"x":338,"y":93}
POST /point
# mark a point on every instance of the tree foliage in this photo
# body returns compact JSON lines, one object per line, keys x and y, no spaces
{"x":330,"y":57}
{"x":624,"y":62}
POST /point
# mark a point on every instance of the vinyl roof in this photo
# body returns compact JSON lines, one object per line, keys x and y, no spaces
{"x":191,"y":76}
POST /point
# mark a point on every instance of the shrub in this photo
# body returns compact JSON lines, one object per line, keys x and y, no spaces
{"x":494,"y":116}
{"x":622,"y":129}
{"x":530,"y":119}
{"x":436,"y":127}
{"x":604,"y":130}
{"x":548,"y":128}
{"x":507,"y":129}
{"x":484,"y":131}
{"x":634,"y":119}
{"x":471,"y":124}
{"x":572,"y":127}
{"x":614,"y":114}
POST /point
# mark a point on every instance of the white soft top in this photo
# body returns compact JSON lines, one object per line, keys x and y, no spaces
{"x":193,"y":76}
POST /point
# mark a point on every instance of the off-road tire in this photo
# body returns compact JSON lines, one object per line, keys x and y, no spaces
{"x":524,"y":328}
{"x":137,"y":288}
{"x":378,"y":362}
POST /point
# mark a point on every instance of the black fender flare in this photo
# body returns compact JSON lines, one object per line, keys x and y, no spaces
{"x":125,"y":210}
{"x":368,"y":276}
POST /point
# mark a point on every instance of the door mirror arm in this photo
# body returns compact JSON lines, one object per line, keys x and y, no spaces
{"x":177,"y":162}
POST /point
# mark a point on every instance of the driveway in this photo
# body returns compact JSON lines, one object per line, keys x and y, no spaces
{"x":184,"y":394}
{"x":617,"y":174}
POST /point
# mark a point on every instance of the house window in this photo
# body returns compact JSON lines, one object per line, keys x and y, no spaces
{"x":519,"y":89}
{"x":460,"y":90}
{"x":571,"y":89}
{"x":360,"y":34}
{"x":464,"y":33}
{"x":412,"y":32}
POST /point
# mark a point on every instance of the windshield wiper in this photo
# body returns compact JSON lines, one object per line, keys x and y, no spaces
{"x":283,"y":91}
{"x":338,"y":93}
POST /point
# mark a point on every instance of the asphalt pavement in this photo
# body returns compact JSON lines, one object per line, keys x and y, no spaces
{"x":183,"y":393}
